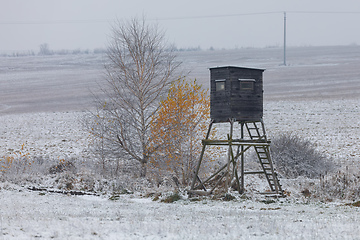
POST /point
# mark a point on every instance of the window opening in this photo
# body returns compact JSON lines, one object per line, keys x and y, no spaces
{"x":220,"y":85}
{"x":247,"y":84}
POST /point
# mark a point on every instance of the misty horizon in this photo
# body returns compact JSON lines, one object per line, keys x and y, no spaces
{"x":25,"y":25}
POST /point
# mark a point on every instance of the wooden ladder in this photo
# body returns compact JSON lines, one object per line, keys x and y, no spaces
{"x":256,"y":131}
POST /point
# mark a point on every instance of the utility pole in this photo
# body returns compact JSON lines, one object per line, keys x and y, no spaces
{"x":284,"y":38}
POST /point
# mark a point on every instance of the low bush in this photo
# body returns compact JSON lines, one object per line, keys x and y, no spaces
{"x":172,"y":198}
{"x":342,"y":184}
{"x":294,"y":156}
{"x":228,"y":197}
{"x":62,"y":166}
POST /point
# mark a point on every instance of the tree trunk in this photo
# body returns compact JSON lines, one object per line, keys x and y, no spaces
{"x":143,"y":170}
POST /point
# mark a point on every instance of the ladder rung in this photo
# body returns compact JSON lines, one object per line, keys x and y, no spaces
{"x":261,"y":150}
{"x":273,"y":193}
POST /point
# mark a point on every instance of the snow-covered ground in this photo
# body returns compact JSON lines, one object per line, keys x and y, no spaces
{"x":54,"y":135}
{"x":48,"y":125}
{"x":332,"y":124}
{"x":30,"y":215}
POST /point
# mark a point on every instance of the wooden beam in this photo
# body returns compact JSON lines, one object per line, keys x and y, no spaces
{"x":235,"y":143}
{"x":197,"y":192}
{"x":254,"y":172}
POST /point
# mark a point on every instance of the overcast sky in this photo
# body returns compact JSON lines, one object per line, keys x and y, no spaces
{"x":85,"y":24}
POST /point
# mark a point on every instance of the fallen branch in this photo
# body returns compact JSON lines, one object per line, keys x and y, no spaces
{"x":70,"y":192}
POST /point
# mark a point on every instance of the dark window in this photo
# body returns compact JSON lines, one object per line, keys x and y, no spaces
{"x":247,"y":84}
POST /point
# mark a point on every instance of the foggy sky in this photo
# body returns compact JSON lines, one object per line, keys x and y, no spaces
{"x":85,"y":24}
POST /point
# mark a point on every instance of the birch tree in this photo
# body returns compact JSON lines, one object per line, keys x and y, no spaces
{"x":140,"y":67}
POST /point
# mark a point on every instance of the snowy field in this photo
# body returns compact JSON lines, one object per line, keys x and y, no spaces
{"x":42,"y":100}
{"x":28,"y":215}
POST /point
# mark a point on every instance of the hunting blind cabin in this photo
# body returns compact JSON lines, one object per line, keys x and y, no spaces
{"x":236,"y":96}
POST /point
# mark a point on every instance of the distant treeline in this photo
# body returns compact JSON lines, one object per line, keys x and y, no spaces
{"x":44,"y":50}
{"x":54,"y":52}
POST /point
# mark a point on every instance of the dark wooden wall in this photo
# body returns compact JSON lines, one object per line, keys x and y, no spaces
{"x":234,"y":102}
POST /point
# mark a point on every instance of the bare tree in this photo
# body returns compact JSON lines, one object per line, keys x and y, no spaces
{"x":141,"y":66}
{"x":44,"y":49}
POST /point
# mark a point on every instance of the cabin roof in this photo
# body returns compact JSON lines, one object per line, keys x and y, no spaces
{"x":257,"y":69}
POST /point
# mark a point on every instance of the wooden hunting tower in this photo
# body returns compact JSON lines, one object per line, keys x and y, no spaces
{"x":236,"y":93}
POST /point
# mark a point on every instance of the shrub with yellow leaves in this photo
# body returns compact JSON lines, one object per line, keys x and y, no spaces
{"x":177,"y":129}
{"x":19,"y":158}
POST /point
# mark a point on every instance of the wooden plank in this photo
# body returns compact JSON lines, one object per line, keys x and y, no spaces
{"x":198,"y":192}
{"x":254,"y":172}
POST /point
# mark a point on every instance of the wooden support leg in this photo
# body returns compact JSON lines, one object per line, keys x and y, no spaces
{"x":242,"y":188}
{"x":196,"y":176}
